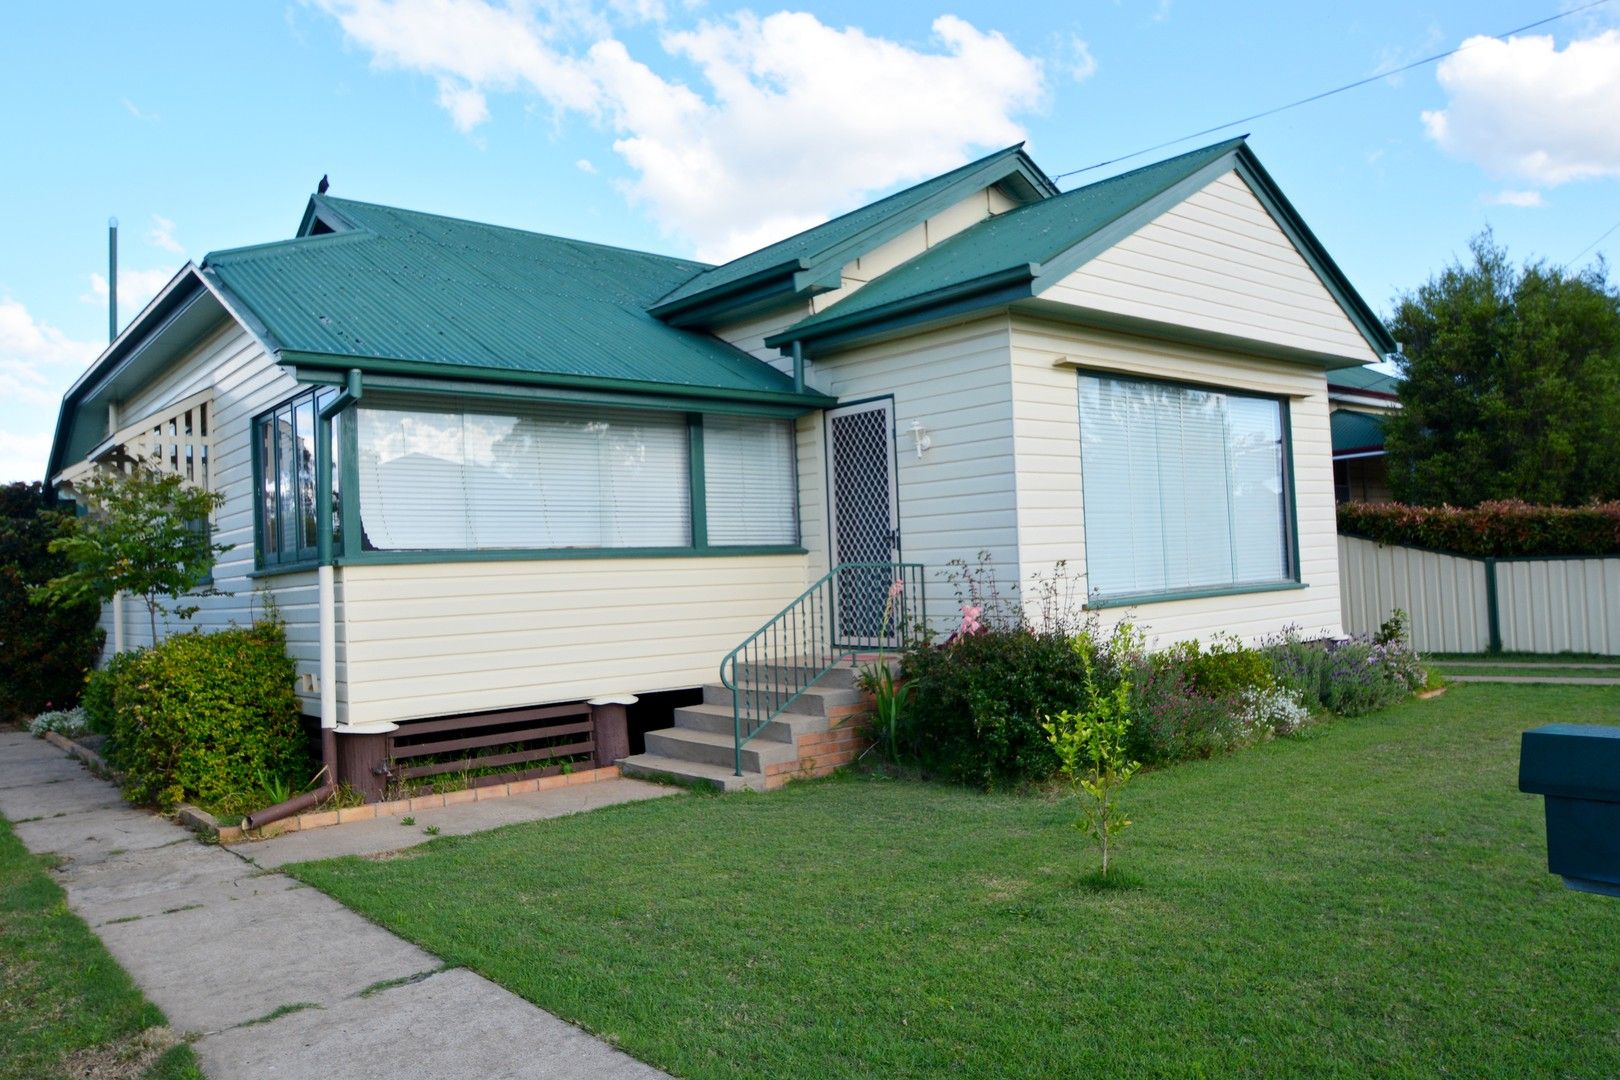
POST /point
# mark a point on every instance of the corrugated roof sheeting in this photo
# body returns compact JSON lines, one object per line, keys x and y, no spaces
{"x":411,"y":286}
{"x":1355,"y":431}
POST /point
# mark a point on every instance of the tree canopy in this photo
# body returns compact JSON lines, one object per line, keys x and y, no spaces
{"x":1511,"y":385}
{"x":146,"y":534}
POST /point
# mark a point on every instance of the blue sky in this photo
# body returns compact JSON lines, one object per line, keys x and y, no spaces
{"x":701,"y":128}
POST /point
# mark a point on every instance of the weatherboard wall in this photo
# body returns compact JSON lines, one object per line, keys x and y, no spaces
{"x":1217,"y":262}
{"x":245,"y":381}
{"x":1047,"y":357}
{"x":428,"y":639}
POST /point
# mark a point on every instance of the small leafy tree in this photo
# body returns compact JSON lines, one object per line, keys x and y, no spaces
{"x":146,"y":534}
{"x":1090,"y":747}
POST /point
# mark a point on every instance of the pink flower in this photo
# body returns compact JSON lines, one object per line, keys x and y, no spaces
{"x":970,"y":620}
{"x":896,"y":589}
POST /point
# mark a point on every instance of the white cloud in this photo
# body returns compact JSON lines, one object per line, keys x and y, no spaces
{"x":1514,"y":198}
{"x":792,"y":120}
{"x":135,"y":290}
{"x":1082,"y":64}
{"x":37,"y":362}
{"x":162,"y":235}
{"x":137,"y":112}
{"x":1524,"y":108}
{"x":22,"y":457}
{"x":584,"y":165}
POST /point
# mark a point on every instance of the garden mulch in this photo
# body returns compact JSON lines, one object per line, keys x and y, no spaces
{"x":267,"y":977}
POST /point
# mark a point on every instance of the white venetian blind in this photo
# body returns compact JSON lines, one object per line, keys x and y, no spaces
{"x":546,"y":477}
{"x":752,"y":496}
{"x":1183,"y":487}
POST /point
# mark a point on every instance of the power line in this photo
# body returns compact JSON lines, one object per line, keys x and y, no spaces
{"x":1593,"y":244}
{"x":1336,"y":90}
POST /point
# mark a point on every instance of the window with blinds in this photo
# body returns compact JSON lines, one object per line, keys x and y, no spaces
{"x":749,"y":480}
{"x":540,"y":477}
{"x":1184,"y":488}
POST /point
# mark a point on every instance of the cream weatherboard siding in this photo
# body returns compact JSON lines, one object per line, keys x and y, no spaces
{"x":245,"y":381}
{"x":434,"y":638}
{"x":1217,"y":262}
{"x":958,"y":498}
{"x":1046,"y":358}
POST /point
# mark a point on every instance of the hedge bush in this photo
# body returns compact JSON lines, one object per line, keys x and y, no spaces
{"x":45,"y":650}
{"x":100,"y":686}
{"x":1491,"y":529}
{"x":204,"y":717}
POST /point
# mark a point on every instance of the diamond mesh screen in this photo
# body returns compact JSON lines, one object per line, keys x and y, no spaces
{"x":862,"y":505}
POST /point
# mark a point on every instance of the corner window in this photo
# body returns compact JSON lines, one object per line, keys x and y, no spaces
{"x":286,"y":516}
{"x":1185,"y":489}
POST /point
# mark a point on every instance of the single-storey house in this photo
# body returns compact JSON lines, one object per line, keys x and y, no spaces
{"x":486,"y":473}
{"x":1360,"y":399}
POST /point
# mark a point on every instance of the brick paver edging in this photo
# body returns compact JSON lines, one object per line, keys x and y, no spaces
{"x":320,"y":819}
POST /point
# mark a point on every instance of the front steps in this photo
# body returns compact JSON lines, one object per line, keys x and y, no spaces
{"x":822,"y":730}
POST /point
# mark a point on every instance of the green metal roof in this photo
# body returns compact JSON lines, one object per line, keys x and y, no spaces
{"x":401,"y":291}
{"x":1018,"y":254}
{"x":1364,"y":378}
{"x":1356,"y":432}
{"x":804,"y":260}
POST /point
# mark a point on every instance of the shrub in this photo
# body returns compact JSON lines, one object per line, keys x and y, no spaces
{"x":68,"y":722}
{"x":205,"y":717}
{"x":1190,"y":700}
{"x":1348,"y":678}
{"x":100,"y":686}
{"x":1277,"y":711}
{"x":44,"y":650}
{"x":1491,"y":529}
{"x":976,"y":704}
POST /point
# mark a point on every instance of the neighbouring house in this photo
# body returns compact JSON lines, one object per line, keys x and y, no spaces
{"x":489,"y":476}
{"x":1359,"y":400}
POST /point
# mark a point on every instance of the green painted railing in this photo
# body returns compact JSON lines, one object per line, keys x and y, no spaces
{"x":856,"y":608}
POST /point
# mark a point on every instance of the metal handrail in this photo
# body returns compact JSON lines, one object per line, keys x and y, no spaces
{"x":855,"y":607}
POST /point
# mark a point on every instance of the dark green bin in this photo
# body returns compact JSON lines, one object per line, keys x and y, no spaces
{"x":1577,"y":768}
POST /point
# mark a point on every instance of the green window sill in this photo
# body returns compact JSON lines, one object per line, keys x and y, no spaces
{"x":1135,"y":599}
{"x":384,"y":558}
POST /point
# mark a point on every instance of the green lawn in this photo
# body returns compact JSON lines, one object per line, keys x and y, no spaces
{"x":66,"y":1008}
{"x":1371,"y":898}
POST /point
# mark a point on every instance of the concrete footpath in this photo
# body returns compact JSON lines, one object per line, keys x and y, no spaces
{"x":270,"y":978}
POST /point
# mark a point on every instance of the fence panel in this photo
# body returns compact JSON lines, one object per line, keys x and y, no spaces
{"x":1443,"y":595}
{"x":1549,"y":605}
{"x":1559,"y":605}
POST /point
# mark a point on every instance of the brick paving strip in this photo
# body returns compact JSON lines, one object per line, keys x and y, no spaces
{"x":271,"y":978}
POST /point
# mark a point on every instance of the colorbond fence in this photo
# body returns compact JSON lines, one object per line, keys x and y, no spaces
{"x":1458,"y":604}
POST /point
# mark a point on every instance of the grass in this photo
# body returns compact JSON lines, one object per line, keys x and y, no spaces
{"x":66,"y":1008}
{"x":1368,"y":899}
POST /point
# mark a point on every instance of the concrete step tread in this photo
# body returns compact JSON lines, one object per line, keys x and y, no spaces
{"x":771,"y":750}
{"x":677,"y":768}
{"x":784,"y":728}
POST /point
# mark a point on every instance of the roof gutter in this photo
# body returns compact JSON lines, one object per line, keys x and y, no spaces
{"x":806,"y":399}
{"x":689,"y":310}
{"x":1001,"y":286}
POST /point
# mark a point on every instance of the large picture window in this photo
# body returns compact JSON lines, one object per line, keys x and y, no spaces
{"x":548,"y":477}
{"x":1185,"y":489}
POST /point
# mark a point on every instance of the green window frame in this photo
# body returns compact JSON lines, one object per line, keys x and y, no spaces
{"x":286,"y":520}
{"x":782,"y":536}
{"x":1178,"y":500}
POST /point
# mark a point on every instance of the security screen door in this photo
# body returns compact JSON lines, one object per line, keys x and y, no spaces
{"x":865,"y":526}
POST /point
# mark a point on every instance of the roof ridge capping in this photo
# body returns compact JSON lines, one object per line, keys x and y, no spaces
{"x":811,"y":260}
{"x":996,"y":250}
